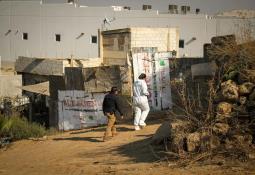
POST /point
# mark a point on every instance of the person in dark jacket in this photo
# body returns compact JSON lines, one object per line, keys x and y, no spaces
{"x":110,"y":106}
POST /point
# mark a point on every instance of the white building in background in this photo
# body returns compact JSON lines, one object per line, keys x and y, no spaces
{"x":34,"y":29}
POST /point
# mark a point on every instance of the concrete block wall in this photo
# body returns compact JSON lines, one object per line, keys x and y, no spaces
{"x":10,"y":85}
{"x":165,"y":39}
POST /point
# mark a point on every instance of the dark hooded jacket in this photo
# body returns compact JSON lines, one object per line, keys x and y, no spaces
{"x":111,"y":104}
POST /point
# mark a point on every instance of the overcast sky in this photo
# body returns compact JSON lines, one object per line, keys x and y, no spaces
{"x":206,"y":6}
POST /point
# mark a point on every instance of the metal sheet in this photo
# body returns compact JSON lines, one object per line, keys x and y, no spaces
{"x":78,"y":109}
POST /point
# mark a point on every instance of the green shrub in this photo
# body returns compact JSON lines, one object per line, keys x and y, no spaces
{"x":19,"y":128}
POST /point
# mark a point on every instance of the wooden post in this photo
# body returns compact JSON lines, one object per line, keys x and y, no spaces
{"x":30,"y":115}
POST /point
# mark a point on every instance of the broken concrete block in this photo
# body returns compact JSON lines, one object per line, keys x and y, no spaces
{"x":221,"y":128}
{"x":229,"y":90}
{"x":224,"y":108}
{"x":193,"y":141}
{"x":246,"y":88}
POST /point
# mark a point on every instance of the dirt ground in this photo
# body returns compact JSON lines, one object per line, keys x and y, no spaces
{"x":83,"y":153}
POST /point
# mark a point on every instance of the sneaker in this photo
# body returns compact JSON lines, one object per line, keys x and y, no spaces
{"x":142,"y":126}
{"x":137,"y":128}
{"x":115,"y":134}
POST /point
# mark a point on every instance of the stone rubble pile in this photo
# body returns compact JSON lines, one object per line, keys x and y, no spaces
{"x":231,"y":124}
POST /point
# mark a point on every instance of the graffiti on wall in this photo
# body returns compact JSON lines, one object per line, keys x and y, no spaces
{"x":78,"y":109}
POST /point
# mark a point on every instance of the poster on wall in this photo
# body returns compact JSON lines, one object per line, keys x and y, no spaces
{"x":163,"y":79}
{"x":156,"y":67}
{"x":142,"y":63}
{"x":78,"y":110}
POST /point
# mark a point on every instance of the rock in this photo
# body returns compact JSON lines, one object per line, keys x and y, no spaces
{"x":245,"y":88}
{"x":180,"y":126}
{"x":242,"y":100}
{"x":221,"y":128}
{"x":224,"y":108}
{"x":177,"y":144}
{"x":164,"y":131}
{"x":179,"y":131}
{"x":238,"y":140}
{"x":243,"y":139}
{"x":251,"y":155}
{"x":193,"y":141}
{"x":214,"y":142}
{"x":222,"y":117}
{"x":229,"y":90}
{"x":252,"y":95}
{"x":175,"y":131}
{"x":209,"y":141}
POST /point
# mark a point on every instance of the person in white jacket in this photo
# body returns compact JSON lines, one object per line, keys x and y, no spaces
{"x":140,"y":101}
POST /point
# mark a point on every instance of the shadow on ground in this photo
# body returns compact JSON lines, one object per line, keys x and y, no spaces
{"x":138,"y":151}
{"x":102,"y":129}
{"x":89,"y":139}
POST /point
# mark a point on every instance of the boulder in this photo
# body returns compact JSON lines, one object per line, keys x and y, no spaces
{"x":229,"y":90}
{"x":222,"y":117}
{"x":193,"y":141}
{"x":209,"y":141}
{"x":246,"y":88}
{"x":220,"y":128}
{"x":177,"y":143}
{"x":180,"y":126}
{"x":224,"y":108}
{"x":164,"y":131}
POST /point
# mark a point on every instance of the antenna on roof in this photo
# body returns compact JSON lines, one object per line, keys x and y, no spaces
{"x":107,"y":21}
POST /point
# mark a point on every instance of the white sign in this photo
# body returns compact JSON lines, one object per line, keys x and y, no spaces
{"x":78,"y":109}
{"x":156,"y":68}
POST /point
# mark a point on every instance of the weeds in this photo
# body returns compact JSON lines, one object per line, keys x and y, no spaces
{"x":18,"y":128}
